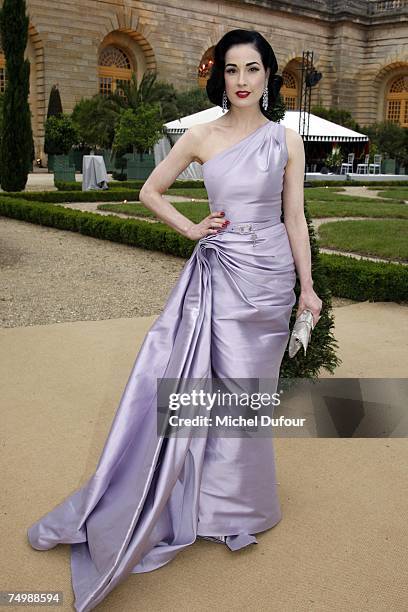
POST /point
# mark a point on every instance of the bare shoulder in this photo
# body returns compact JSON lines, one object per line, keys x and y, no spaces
{"x":193,"y":138}
{"x":200,"y":135}
{"x":294,"y":143}
{"x":186,"y":148}
{"x":293,"y":137}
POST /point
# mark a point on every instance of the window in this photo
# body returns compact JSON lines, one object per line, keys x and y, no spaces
{"x":114,"y":68}
{"x":397,"y":101}
{"x":289,"y":91}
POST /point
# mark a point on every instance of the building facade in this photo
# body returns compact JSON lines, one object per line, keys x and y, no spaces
{"x":88,"y":46}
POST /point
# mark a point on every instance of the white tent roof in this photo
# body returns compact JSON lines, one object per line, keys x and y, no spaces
{"x":320,"y":129}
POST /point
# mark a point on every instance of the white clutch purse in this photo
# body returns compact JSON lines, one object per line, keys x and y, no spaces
{"x":301,"y":332}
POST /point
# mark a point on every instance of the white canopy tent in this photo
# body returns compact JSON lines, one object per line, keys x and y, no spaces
{"x":320,"y":130}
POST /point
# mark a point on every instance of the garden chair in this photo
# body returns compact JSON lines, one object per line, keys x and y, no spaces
{"x":363,"y":167}
{"x":348,"y":165}
{"x":375,"y":164}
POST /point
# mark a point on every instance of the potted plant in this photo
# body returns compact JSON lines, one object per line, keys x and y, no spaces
{"x":334,"y":159}
{"x":61,"y":132}
{"x":95,"y":120}
{"x":388,"y":165}
{"x":139,"y":129}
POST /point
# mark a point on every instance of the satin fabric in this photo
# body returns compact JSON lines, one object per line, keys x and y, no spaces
{"x":227,"y":316}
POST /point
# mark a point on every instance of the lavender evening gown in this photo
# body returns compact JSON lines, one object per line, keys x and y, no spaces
{"x":227,"y":316}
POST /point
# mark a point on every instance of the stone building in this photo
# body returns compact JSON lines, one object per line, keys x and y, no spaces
{"x":86,"y":46}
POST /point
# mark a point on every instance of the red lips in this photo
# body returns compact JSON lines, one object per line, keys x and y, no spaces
{"x":243,"y":94}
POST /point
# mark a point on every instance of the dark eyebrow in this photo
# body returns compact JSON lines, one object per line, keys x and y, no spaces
{"x":247,"y":64}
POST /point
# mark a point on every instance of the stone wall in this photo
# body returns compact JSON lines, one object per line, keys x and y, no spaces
{"x":358,"y":46}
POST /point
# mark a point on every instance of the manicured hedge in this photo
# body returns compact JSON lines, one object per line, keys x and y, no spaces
{"x":123,"y":185}
{"x":199,"y":184}
{"x":115,"y":195}
{"x":153,"y":236}
{"x":363,"y":279}
{"x":348,"y":277}
{"x":77,"y":186}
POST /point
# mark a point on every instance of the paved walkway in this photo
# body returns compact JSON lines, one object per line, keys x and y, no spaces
{"x":343,"y":500}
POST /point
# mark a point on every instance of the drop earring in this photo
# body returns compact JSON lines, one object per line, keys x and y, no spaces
{"x":265,"y":97}
{"x":224,"y":102}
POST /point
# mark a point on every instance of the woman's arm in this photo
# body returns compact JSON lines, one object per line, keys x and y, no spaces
{"x":295,"y":222}
{"x":163,"y":176}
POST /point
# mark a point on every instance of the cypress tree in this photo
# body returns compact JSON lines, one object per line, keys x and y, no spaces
{"x":54,"y":102}
{"x":16,"y":147}
{"x":54,"y":110}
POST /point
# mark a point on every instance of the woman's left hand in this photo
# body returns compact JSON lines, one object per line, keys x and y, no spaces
{"x":309,"y":299}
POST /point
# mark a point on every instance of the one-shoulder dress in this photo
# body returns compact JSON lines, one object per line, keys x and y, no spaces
{"x":227,"y":316}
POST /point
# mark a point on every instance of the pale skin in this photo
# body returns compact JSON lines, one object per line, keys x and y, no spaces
{"x":243,"y":71}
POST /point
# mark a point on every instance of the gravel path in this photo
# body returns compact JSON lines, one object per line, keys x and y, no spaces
{"x":363,"y":191}
{"x":50,"y":276}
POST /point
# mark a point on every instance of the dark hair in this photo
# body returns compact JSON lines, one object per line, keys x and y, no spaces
{"x":216,"y":82}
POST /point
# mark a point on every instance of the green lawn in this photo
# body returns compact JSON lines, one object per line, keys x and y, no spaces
{"x":193,"y":210}
{"x":385,"y":235}
{"x":357,"y":207}
{"x":321,"y":201}
{"x":396,"y":193}
{"x":332,"y":202}
{"x":198,"y":193}
{"x":387,"y":238}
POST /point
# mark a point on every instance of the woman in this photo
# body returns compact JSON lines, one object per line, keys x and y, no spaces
{"x":227,"y":317}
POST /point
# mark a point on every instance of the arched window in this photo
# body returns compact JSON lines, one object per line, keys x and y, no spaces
{"x":114,"y":67}
{"x":2,"y":73}
{"x":289,"y":91}
{"x":397,"y":101}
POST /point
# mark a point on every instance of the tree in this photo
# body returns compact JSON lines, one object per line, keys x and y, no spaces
{"x":54,"y":110}
{"x":135,"y":94}
{"x":172,"y":103}
{"x":190,"y":101}
{"x":140,"y":129}
{"x":337,"y":115}
{"x":61,"y":132}
{"x":389,"y":139}
{"x":54,"y":102}
{"x":16,"y":152}
{"x":95,"y":119}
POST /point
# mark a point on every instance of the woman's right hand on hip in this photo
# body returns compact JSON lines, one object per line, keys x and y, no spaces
{"x":211,"y":224}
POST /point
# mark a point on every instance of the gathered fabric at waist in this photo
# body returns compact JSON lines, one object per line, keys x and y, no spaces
{"x":269,"y":239}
